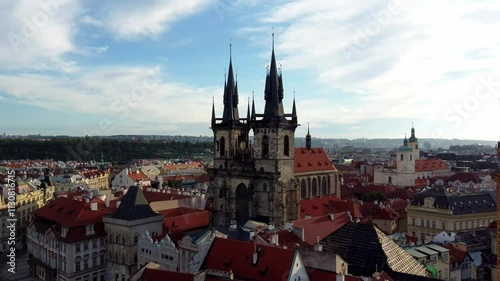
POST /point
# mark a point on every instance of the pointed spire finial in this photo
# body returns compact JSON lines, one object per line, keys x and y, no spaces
{"x":273,"y":38}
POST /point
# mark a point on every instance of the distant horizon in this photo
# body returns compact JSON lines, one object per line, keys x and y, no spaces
{"x":208,"y":136}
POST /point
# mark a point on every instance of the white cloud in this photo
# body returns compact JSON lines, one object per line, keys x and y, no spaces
{"x":390,"y":59}
{"x":124,"y":95}
{"x":36,"y":33}
{"x":87,"y":19}
{"x":135,"y":20}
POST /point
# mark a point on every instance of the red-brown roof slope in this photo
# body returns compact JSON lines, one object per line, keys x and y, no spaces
{"x":286,"y":239}
{"x":425,"y":165}
{"x":312,"y":160}
{"x":187,"y":221}
{"x":457,"y":252}
{"x":273,"y":263}
{"x":70,"y":213}
{"x":151,"y":274}
{"x":318,"y":206}
{"x":137,"y":176}
{"x":321,"y":227}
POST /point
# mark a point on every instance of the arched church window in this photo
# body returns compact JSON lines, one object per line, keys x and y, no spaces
{"x":303,"y":189}
{"x":324,"y":190}
{"x":286,"y":146}
{"x":314,"y":187}
{"x":265,"y":146}
{"x":222,"y":146}
{"x":402,"y":157}
{"x":389,"y":180}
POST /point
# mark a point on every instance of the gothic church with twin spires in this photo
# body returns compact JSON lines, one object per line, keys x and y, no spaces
{"x":264,"y":180}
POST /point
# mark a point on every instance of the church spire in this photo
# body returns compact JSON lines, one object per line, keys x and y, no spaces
{"x":294,"y":109}
{"x":253,"y":107}
{"x":230,"y":113}
{"x":248,"y":111}
{"x":413,"y":138}
{"x":308,"y":138}
{"x":273,"y":109}
{"x":213,"y":112}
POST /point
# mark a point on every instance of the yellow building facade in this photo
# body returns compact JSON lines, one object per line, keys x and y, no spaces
{"x":434,"y":211}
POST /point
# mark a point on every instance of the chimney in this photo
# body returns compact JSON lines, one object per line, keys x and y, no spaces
{"x":93,"y":206}
{"x":274,"y":239}
{"x":126,"y":171}
{"x":349,"y":215}
{"x":318,"y":247}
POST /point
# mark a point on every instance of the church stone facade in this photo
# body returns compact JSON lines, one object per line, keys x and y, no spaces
{"x":255,"y":180}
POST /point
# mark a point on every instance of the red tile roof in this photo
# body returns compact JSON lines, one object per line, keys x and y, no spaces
{"x":328,"y":204}
{"x":138,"y":176}
{"x":273,"y":263}
{"x":93,"y":174}
{"x":187,"y":221}
{"x":427,"y":165}
{"x":286,"y":239}
{"x":321,"y":226}
{"x":320,"y":275}
{"x":151,"y":274}
{"x":70,"y":213}
{"x":312,"y":160}
{"x":318,"y":206}
{"x":457,"y":252}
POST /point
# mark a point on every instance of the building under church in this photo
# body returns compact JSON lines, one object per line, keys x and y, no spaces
{"x":409,"y":170}
{"x":264,"y":180}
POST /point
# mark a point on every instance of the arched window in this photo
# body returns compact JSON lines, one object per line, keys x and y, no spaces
{"x":389,"y":180}
{"x":222,"y":146}
{"x":324,"y":190}
{"x":402,"y":157}
{"x":78,"y":263}
{"x":411,"y":157}
{"x":314,"y":187}
{"x":303,"y":189}
{"x":286,"y":146}
{"x":265,"y":146}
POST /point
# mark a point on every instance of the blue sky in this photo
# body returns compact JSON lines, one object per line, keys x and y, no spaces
{"x":359,"y":70}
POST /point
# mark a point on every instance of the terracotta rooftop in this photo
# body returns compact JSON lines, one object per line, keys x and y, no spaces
{"x":151,"y":274}
{"x":312,"y":160}
{"x":427,"y":165}
{"x":273,"y":263}
{"x":321,"y":227}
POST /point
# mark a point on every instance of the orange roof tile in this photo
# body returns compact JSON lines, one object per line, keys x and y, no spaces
{"x":272,"y":264}
{"x":138,"y":176}
{"x":321,"y":227}
{"x":427,"y":165}
{"x":312,"y":160}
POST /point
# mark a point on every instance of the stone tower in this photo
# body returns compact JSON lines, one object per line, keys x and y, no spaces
{"x":413,"y":143}
{"x":255,"y":181}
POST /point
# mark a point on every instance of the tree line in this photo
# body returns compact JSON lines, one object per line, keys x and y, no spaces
{"x":91,"y":149}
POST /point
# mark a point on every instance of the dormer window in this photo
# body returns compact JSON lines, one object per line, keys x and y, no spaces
{"x":89,"y":229}
{"x":64,"y":231}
